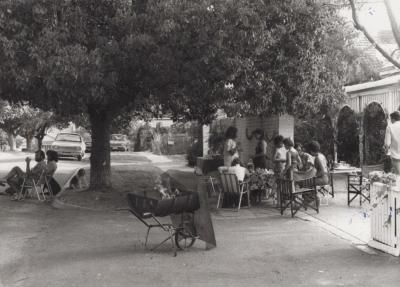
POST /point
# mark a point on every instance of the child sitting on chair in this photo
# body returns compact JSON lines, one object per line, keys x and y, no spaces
{"x":78,"y":181}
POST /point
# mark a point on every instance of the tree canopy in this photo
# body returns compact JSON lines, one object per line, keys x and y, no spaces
{"x":186,"y":58}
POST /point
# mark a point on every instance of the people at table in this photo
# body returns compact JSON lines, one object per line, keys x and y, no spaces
{"x":230,"y":146}
{"x":279,"y":155}
{"x":392,"y":141}
{"x":320,"y":164}
{"x":260,"y":156}
{"x":293,"y":160}
{"x":307,"y":160}
{"x":237,"y":169}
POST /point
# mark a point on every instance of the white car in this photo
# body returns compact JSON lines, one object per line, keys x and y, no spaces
{"x":119,"y":142}
{"x":69,"y":145}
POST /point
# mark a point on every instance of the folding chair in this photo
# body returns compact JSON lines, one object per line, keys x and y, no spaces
{"x":31,"y":183}
{"x":326,"y":190}
{"x":359,"y":184}
{"x":232,"y":187}
{"x":46,"y":185}
{"x":297,"y":194}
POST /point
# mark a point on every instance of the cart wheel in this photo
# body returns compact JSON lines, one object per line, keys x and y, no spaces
{"x":185,"y":238}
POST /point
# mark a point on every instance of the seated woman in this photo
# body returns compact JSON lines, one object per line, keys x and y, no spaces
{"x":320,"y":164}
{"x":232,"y":199}
{"x":52,"y":159}
{"x":16,"y":175}
{"x":237,"y":169}
{"x":307,"y":160}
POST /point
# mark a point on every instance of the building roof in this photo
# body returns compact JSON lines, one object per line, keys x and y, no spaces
{"x":392,"y":80}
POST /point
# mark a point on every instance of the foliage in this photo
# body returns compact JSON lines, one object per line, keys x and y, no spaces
{"x":193,"y":152}
{"x":16,"y":119}
{"x":143,"y":138}
{"x":348,"y":139}
{"x":362,"y":67}
{"x":184,"y":57}
{"x":315,"y":129}
{"x":390,"y":56}
{"x":375,"y":123}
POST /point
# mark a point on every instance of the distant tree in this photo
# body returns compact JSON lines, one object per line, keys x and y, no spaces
{"x":390,"y":56}
{"x":29,"y":123}
{"x":11,"y":120}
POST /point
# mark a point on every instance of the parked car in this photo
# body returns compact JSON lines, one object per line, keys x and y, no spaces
{"x":69,"y":145}
{"x":87,"y":138}
{"x":119,"y":142}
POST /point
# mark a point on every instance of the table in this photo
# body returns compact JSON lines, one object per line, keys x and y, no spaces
{"x":347,"y":171}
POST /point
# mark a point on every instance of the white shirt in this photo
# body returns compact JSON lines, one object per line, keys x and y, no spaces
{"x":392,"y":139}
{"x":238,"y":170}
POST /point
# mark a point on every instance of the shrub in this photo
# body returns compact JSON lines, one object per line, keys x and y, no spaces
{"x":194,"y":151}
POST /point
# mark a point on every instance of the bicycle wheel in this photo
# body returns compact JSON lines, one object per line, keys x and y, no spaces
{"x":185,"y":238}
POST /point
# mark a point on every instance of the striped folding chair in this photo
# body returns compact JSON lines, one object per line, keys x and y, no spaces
{"x":297,"y":194}
{"x":232,"y":187}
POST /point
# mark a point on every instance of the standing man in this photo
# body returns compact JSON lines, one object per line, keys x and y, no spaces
{"x":392,"y":141}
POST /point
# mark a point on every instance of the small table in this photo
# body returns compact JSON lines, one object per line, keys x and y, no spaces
{"x":346,"y":171}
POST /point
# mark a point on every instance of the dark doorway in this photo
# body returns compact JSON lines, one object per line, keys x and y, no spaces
{"x":348,"y":139}
{"x":375,"y":122}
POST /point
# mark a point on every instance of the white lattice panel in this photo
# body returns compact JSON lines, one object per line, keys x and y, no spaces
{"x":385,"y":222}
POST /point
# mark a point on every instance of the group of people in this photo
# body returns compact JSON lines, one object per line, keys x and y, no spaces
{"x":288,"y":160}
{"x":43,"y":167}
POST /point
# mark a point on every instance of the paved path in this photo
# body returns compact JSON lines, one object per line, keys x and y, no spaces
{"x":42,"y":246}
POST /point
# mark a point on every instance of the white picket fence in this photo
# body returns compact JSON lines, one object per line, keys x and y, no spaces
{"x":385,"y":220}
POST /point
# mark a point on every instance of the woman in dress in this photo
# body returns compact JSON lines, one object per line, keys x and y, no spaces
{"x":279,"y":156}
{"x":292,"y":159}
{"x":260,"y":157}
{"x":230,"y":146}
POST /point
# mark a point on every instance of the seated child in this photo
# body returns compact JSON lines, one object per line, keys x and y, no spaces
{"x":78,"y":181}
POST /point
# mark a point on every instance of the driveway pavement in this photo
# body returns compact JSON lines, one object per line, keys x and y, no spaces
{"x":42,"y":246}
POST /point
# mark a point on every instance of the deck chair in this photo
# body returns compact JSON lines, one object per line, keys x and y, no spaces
{"x":148,"y":209}
{"x":358,"y":185}
{"x":297,"y":194}
{"x":232,"y":187}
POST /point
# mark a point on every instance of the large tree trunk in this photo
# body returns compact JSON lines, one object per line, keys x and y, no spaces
{"x":11,"y":141}
{"x":100,"y":166}
{"x":29,"y":139}
{"x":40,"y":133}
